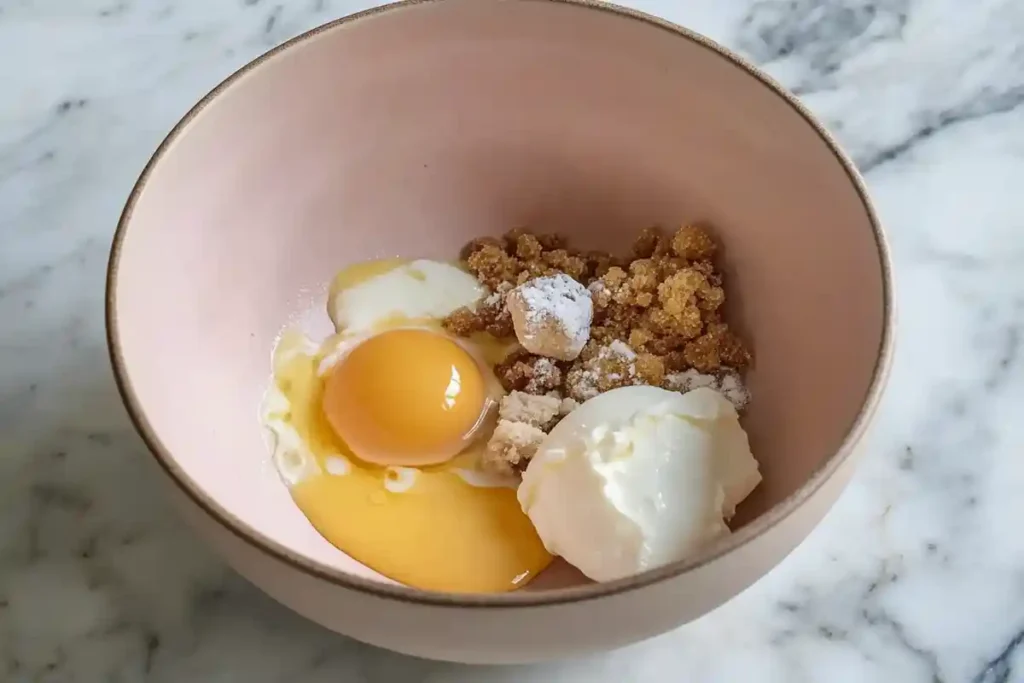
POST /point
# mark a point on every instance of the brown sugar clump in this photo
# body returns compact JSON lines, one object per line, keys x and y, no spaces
{"x":643,"y":282}
{"x":639,"y":337}
{"x":492,"y":266}
{"x":731,"y":350}
{"x":603,"y":368}
{"x":551,"y":241}
{"x":650,"y":369}
{"x":479,"y":243}
{"x":702,"y":353}
{"x":692,"y":243}
{"x":516,"y":370}
{"x":684,"y":324}
{"x":716,"y":348}
{"x":551,"y":316}
{"x":655,"y":314}
{"x":463,"y":322}
{"x":524,"y":371}
{"x":500,"y":326}
{"x":707,"y":269}
{"x":597,"y":264}
{"x":709,"y":297}
{"x":646,"y":242}
{"x":528,"y":248}
{"x":677,"y":292}
{"x":497,"y":321}
{"x":491,"y":316}
{"x":561,"y":261}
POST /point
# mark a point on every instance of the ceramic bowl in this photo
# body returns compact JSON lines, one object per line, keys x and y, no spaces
{"x":409,"y":129}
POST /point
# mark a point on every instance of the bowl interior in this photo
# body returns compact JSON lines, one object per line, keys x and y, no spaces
{"x":409,"y":132}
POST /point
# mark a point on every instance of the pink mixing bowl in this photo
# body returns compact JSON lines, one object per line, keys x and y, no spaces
{"x":408,"y":130}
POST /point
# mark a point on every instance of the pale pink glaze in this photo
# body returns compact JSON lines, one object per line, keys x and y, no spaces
{"x":409,"y":131}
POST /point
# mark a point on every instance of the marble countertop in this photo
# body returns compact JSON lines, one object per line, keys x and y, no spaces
{"x":916,"y":575}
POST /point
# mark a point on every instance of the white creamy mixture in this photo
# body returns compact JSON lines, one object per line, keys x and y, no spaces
{"x":638,"y":477}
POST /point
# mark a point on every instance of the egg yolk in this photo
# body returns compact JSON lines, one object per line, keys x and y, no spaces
{"x":405,"y":397}
{"x":441,"y":533}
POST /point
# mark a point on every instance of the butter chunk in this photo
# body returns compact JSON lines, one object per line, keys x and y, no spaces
{"x":511,"y":447}
{"x":539,"y":411}
{"x":551,"y":316}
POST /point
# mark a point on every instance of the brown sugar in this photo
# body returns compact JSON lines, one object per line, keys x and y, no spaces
{"x":601,"y":368}
{"x":525,"y":371}
{"x":663,"y":300}
{"x":492,"y":266}
{"x":693,"y":243}
{"x":656,"y":315}
{"x":491,"y":315}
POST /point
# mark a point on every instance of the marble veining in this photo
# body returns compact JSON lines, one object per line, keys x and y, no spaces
{"x":917,"y":575}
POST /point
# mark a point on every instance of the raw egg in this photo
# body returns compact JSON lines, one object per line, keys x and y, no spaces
{"x":377,"y":433}
{"x":406,"y":397}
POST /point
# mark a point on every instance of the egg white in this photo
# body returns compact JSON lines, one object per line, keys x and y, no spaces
{"x":292,"y":458}
{"x":417,"y":290}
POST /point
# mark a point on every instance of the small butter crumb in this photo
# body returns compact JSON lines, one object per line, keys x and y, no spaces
{"x":511,"y":446}
{"x":539,"y":411}
{"x":567,"y":406}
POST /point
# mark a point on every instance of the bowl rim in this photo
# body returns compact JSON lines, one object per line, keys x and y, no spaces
{"x":256,"y":540}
